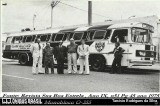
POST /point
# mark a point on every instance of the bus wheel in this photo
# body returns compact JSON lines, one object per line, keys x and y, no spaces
{"x":23,"y":59}
{"x":98,"y":63}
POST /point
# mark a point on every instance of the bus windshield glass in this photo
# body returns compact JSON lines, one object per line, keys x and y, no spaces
{"x":140,"y":35}
{"x":99,"y":34}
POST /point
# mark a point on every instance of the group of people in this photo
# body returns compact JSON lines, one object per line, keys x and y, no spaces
{"x":71,"y":53}
{"x":60,"y":53}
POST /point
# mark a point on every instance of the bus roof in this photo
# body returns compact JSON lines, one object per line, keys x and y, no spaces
{"x":129,"y":25}
{"x":132,"y":24}
{"x":124,"y":25}
{"x":68,"y":29}
{"x":99,"y":27}
{"x":95,"y":27}
{"x":35,"y":32}
{"x":85,"y":28}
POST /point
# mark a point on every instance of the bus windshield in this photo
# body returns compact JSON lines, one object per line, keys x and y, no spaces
{"x":140,"y":35}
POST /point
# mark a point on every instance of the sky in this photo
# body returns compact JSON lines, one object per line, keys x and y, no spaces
{"x":18,"y":14}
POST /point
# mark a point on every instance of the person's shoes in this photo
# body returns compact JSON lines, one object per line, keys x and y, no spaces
{"x":86,"y":74}
{"x":111,"y":72}
{"x":119,"y":72}
{"x":80,"y":73}
{"x":74,"y":72}
{"x":40,"y":73}
{"x":69,"y":72}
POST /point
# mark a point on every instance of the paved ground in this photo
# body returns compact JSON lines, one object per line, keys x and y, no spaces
{"x":17,"y":78}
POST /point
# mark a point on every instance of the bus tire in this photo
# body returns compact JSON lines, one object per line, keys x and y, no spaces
{"x":23,"y":59}
{"x":97,"y":62}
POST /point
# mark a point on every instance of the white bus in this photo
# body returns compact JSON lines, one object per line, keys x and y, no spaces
{"x":134,"y":37}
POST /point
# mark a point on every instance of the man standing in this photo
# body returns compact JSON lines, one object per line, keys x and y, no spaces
{"x":83,"y":51}
{"x":36,"y":50}
{"x":116,"y":64}
{"x":60,"y":55}
{"x":48,"y":58}
{"x":72,"y":56}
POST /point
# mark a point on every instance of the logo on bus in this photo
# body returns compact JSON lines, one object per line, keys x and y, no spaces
{"x":99,"y":46}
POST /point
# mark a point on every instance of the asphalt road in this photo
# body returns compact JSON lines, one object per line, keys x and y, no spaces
{"x":17,"y":78}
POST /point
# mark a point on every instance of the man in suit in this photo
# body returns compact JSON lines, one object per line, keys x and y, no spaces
{"x":83,"y":51}
{"x":48,"y":58}
{"x":116,"y":64}
{"x":60,"y":55}
{"x":72,"y":56}
{"x":36,"y":50}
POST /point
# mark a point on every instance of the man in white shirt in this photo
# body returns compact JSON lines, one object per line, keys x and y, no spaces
{"x":36,"y":50}
{"x":72,"y":56}
{"x":83,"y":51}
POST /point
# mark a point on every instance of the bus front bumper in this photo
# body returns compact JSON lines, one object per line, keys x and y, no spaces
{"x":140,"y":63}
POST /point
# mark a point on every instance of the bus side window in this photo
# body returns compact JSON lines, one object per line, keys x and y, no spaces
{"x":84,"y":36}
{"x":13,"y":39}
{"x":108,"y":34}
{"x":119,"y":35}
{"x":9,"y":40}
{"x":43,"y":38}
{"x":48,"y":37}
{"x":24,"y":39}
{"x":53,"y":37}
{"x":78,"y":36}
{"x":33,"y":38}
{"x":70,"y":36}
{"x":21,"y":38}
{"x":17,"y":39}
{"x":99,"y":34}
{"x":29,"y":39}
{"x":59,"y":37}
{"x":65,"y":36}
{"x":38,"y":36}
{"x":90,"y":35}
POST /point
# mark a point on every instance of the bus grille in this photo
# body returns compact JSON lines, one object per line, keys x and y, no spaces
{"x":142,"y":53}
